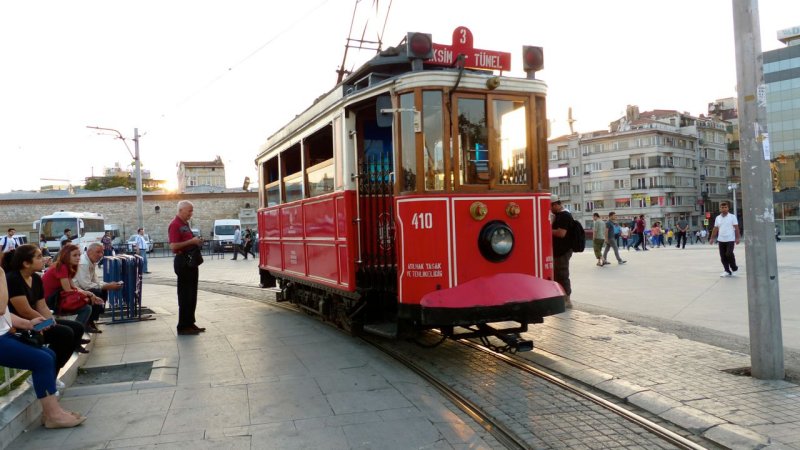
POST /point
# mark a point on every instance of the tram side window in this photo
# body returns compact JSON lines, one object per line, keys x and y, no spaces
{"x":319,"y":163}
{"x":433,"y":132}
{"x":293,"y":180}
{"x":408,"y":143}
{"x":473,"y":141}
{"x":508,"y":122}
{"x":273,"y":182}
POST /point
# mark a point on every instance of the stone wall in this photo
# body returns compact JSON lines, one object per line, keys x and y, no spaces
{"x":121,"y":210}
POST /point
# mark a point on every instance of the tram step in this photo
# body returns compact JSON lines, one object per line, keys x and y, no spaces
{"x":383,"y":329}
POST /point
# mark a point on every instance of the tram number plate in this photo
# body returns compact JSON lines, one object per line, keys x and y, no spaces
{"x":422,"y":221}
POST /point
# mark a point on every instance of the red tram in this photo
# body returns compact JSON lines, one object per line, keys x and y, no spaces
{"x":414,"y":195}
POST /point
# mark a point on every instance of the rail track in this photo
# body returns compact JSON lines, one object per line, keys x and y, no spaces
{"x":508,"y":435}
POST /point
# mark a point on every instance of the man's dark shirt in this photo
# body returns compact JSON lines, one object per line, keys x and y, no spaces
{"x":563,"y":220}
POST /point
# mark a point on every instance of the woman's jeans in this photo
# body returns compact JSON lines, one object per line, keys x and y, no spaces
{"x":40,"y":361}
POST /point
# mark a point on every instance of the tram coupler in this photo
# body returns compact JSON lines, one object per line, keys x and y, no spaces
{"x":509,"y":336}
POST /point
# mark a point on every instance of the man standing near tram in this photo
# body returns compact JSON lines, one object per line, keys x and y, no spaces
{"x":181,"y":241}
{"x":562,"y":250}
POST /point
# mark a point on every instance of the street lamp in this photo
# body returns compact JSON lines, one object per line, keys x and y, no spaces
{"x":733,"y":187}
{"x":135,"y":156}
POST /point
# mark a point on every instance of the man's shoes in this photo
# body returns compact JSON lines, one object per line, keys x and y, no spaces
{"x":60,"y":384}
{"x":622,"y":261}
{"x":94,"y":330}
{"x":725,"y":274}
{"x":606,"y":263}
{"x":567,"y":302}
{"x":148,"y":272}
{"x":187,"y":331}
{"x":81,"y":350}
{"x":85,"y":341}
{"x":196,"y":328}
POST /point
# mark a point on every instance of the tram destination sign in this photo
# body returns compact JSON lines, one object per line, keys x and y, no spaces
{"x":474,"y":58}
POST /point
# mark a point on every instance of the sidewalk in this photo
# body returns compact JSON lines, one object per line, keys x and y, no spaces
{"x":262,"y":377}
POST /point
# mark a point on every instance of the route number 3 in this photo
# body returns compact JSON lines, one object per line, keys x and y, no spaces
{"x":422,"y":221}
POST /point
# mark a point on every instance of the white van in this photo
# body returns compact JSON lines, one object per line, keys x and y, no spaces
{"x":222,"y":234}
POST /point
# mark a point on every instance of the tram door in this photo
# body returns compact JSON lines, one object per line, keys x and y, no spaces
{"x":377,"y":272}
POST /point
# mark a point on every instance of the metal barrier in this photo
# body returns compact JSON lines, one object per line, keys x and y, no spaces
{"x":125,"y":303}
{"x":9,"y":377}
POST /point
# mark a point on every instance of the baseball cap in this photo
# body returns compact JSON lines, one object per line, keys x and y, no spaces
{"x":554,"y":199}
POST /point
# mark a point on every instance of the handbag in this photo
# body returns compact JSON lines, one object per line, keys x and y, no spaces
{"x":30,"y":337}
{"x":70,"y":302}
{"x":193,"y":257}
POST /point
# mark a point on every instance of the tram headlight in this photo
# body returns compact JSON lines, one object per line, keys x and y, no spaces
{"x":496,"y":241}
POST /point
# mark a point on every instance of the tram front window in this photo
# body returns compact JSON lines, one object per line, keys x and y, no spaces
{"x":508,"y":122}
{"x":473,"y":141}
{"x":433,"y":137}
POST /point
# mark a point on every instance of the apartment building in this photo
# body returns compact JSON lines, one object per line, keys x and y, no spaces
{"x":201,"y":173}
{"x":661,"y":163}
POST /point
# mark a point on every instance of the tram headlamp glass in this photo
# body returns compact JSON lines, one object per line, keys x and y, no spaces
{"x":496,"y":241}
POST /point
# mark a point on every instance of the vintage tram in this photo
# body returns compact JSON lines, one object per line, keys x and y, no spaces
{"x":414,"y":195}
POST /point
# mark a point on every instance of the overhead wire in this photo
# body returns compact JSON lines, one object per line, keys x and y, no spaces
{"x":285,"y":30}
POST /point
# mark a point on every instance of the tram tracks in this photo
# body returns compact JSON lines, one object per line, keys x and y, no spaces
{"x":505,"y":433}
{"x":485,"y":414}
{"x":664,"y":433}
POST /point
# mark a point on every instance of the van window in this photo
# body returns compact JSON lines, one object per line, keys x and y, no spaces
{"x":224,"y":230}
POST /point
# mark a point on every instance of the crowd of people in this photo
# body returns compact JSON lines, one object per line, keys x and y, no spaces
{"x":64,"y":295}
{"x":635,"y":234}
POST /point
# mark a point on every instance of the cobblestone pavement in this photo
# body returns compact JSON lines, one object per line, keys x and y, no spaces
{"x":541,"y":413}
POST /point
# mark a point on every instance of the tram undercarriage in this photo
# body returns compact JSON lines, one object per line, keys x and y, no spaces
{"x":356,"y":314}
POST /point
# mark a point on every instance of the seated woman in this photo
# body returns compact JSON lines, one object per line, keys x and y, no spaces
{"x":26,"y":300}
{"x":40,"y":361}
{"x":60,"y":276}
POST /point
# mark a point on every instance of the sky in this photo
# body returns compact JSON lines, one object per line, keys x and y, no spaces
{"x":201,"y":78}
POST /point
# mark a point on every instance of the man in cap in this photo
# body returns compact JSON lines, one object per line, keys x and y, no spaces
{"x":562,"y":248}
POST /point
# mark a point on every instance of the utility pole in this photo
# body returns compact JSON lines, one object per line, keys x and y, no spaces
{"x":139,"y":195}
{"x":763,"y":300}
{"x":135,"y":156}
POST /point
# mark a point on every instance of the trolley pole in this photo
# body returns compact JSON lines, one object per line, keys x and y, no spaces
{"x":763,"y":301}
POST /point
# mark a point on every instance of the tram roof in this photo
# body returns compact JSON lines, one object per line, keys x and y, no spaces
{"x":386,"y":66}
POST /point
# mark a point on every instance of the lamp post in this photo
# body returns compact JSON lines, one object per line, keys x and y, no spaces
{"x":733,"y":187}
{"x":135,"y":156}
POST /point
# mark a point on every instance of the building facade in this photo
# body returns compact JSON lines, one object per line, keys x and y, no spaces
{"x":201,"y":173}
{"x":782,"y":77}
{"x":661,"y":163}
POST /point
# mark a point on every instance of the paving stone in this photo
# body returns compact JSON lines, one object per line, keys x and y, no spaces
{"x":735,"y":437}
{"x":691,"y":419}
{"x":653,"y":402}
{"x":620,"y":388}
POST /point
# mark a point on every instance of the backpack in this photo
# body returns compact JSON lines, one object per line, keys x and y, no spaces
{"x":576,"y":236}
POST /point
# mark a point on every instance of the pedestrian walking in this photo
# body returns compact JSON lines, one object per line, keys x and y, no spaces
{"x":562,"y":248}
{"x":683,"y":227}
{"x":625,"y":233}
{"x":182,"y":242}
{"x":726,"y":231}
{"x":238,"y":246}
{"x":611,"y":241}
{"x":598,"y":237}
{"x":141,"y":248}
{"x":248,"y":243}
{"x":8,"y":243}
{"x":638,"y":231}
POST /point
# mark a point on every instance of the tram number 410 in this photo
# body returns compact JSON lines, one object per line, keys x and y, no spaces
{"x":422,"y":221}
